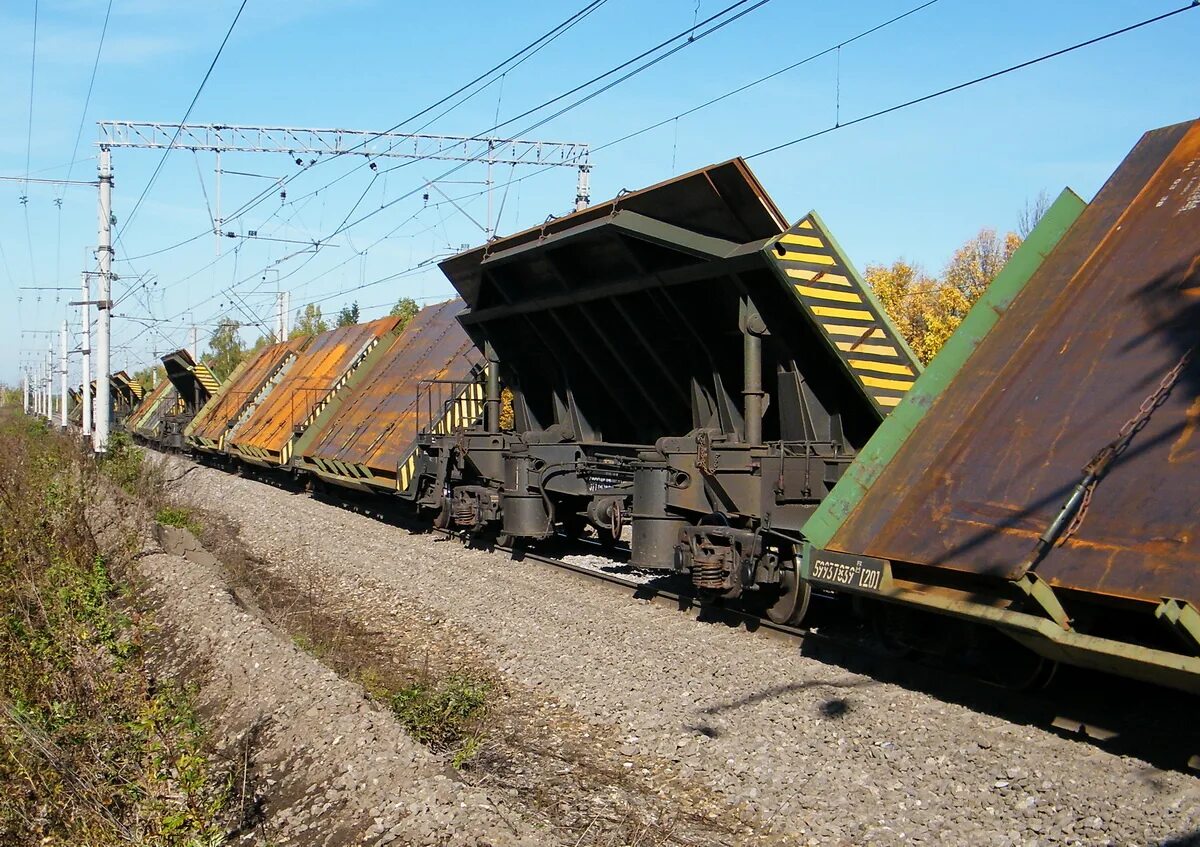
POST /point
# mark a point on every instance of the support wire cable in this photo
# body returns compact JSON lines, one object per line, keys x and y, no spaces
{"x":186,"y":115}
{"x":993,"y":75}
{"x":687,"y":34}
{"x":536,"y":45}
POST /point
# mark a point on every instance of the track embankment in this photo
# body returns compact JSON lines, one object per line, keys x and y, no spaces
{"x":327,"y":765}
{"x":607,"y":712}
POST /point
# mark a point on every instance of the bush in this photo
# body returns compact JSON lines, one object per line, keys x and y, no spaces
{"x":123,"y":462}
{"x":445,"y":715}
{"x":92,"y":749}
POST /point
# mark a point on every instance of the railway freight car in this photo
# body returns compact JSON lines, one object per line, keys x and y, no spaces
{"x":146,"y":422}
{"x":1043,"y":476}
{"x":194,"y":386}
{"x":239,"y":395}
{"x":320,"y":372}
{"x":124,"y":396}
{"x":683,"y":363}
{"x":426,"y":377}
{"x":75,"y":406}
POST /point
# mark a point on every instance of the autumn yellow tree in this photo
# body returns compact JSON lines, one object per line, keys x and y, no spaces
{"x":927,"y":310}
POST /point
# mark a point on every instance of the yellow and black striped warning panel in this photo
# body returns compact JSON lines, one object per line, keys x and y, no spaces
{"x":844,"y":308}
{"x":207,"y":378}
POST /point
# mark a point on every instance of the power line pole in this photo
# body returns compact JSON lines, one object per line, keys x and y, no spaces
{"x":195,"y":344}
{"x":62,"y":377}
{"x":104,"y":253}
{"x":25,"y":390}
{"x":50,"y":382}
{"x":85,"y":318}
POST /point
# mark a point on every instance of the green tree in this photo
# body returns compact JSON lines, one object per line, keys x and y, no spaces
{"x":974,"y":265}
{"x":150,"y":377}
{"x":226,"y":350}
{"x":406,"y":309}
{"x":926,"y":309}
{"x":348,"y":316}
{"x":309,"y":322}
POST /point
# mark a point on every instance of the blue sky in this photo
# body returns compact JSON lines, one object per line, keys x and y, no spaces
{"x":913,"y":184}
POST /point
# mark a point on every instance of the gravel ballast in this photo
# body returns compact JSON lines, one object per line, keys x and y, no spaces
{"x":790,"y":747}
{"x":330,"y":767}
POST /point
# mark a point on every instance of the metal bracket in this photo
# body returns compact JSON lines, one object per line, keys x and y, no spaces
{"x":1038,"y":590}
{"x":1183,"y":619}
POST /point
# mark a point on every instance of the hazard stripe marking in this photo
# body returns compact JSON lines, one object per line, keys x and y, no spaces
{"x":851,"y":321}
{"x":818,"y":276}
{"x":881,"y":367}
{"x":830,"y":294}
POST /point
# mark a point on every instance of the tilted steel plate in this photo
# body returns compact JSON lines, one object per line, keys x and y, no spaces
{"x":723,"y":201}
{"x":843,"y":308}
{"x":243,"y":387}
{"x":320,"y":370}
{"x":371,"y":433}
{"x":146,"y":419}
{"x":635,"y":313}
{"x":1088,"y":339}
{"x":191,"y":379}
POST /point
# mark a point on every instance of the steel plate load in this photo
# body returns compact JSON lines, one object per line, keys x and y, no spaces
{"x":1043,"y":475}
{"x":146,"y":422}
{"x":321,"y":370}
{"x":426,"y":377}
{"x":75,"y":406}
{"x":124,"y":396}
{"x":239,"y":395}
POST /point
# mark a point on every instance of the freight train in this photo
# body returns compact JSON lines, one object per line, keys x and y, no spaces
{"x":696,"y":378}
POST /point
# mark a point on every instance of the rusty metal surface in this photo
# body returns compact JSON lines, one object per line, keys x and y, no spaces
{"x":212,"y":422}
{"x":1106,"y":316}
{"x":376,"y":426}
{"x":145,"y":419}
{"x":318,"y":370}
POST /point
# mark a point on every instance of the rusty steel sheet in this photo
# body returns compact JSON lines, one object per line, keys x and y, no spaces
{"x":1108,"y":316}
{"x":320,"y":369}
{"x":146,"y":419}
{"x":221,"y":413}
{"x":369,"y":437}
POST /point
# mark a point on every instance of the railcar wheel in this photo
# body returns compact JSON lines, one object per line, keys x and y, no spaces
{"x":792,"y":604}
{"x":441,"y":518}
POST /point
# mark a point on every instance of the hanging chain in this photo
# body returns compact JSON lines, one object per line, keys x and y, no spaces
{"x":1104,"y":457}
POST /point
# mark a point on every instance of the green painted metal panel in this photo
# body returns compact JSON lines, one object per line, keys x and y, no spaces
{"x":898,"y":426}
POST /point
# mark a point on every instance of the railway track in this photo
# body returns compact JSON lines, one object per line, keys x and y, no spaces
{"x":1073,"y":702}
{"x":1124,"y":717}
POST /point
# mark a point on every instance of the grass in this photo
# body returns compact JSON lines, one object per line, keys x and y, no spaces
{"x":445,"y":714}
{"x":177,"y":516}
{"x":93,"y":748}
{"x":443,"y":708}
